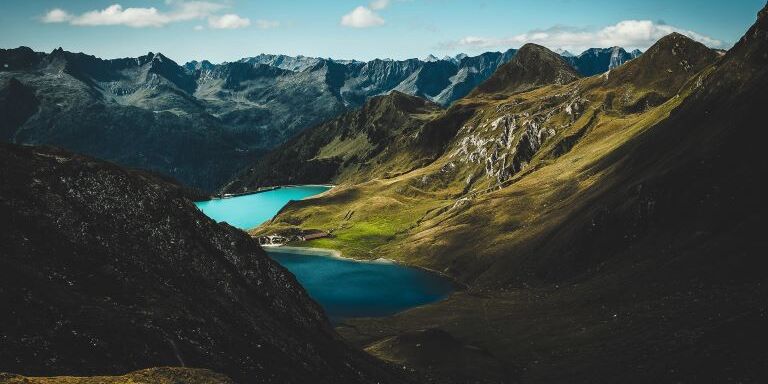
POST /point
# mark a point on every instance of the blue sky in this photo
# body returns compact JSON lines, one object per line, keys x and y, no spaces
{"x":221,"y":30}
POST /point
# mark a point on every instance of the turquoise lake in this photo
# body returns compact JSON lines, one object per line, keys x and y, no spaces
{"x":250,"y":211}
{"x":344,"y":288}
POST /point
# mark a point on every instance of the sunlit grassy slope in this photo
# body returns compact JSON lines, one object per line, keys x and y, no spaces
{"x":608,"y":228}
{"x":513,"y":168}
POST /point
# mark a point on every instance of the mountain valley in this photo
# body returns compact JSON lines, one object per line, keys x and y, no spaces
{"x":554,"y":199}
{"x":535,"y":216}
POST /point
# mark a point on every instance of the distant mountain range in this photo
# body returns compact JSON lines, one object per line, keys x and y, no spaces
{"x":202,"y":122}
{"x":593,"y":61}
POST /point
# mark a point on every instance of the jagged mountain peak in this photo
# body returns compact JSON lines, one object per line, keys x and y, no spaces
{"x":674,"y":38}
{"x":753,"y":45}
{"x":675,"y":51}
{"x":665,"y":67}
{"x":532,"y":66}
{"x":155,"y":58}
{"x":535,"y":49}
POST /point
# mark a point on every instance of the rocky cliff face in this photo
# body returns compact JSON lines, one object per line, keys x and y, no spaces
{"x":105,"y":270}
{"x":502,"y":142}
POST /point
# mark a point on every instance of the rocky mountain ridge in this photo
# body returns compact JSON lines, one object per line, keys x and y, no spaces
{"x":202,"y":122}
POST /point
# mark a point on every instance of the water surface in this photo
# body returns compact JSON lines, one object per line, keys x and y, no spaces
{"x":250,"y":211}
{"x":349,"y":288}
{"x":344,"y":288}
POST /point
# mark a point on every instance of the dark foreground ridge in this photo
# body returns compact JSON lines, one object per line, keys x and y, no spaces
{"x":106,"y":270}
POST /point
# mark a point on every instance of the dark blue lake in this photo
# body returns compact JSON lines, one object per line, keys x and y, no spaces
{"x":344,"y":288}
{"x":349,"y":288}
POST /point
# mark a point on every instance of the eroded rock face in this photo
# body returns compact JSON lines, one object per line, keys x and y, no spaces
{"x":105,"y":270}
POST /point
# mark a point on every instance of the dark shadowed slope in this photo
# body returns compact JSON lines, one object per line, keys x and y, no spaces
{"x":374,"y":139}
{"x":104,"y":270}
{"x":640,"y":263}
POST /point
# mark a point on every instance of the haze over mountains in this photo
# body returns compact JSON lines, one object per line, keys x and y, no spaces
{"x":202,"y":122}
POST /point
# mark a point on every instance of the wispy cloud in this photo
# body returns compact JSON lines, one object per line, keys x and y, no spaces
{"x":267,"y":24}
{"x":378,"y":4}
{"x":628,"y":34}
{"x":228,"y":21}
{"x":56,"y":15}
{"x":179,"y":11}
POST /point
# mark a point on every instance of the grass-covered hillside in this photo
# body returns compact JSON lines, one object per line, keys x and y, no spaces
{"x":372,"y":140}
{"x":608,"y":228}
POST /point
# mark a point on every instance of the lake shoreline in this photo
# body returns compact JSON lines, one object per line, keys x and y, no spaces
{"x":348,"y":288}
{"x":334,"y":253}
{"x":251,"y":210}
{"x":262,"y":190}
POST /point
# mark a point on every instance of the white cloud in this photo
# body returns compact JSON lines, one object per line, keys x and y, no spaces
{"x":228,"y":21}
{"x":361,"y":17}
{"x":179,"y":11}
{"x":117,"y":15}
{"x":198,"y":28}
{"x":56,"y":16}
{"x":378,"y":4}
{"x":629,"y":34}
{"x":267,"y":24}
